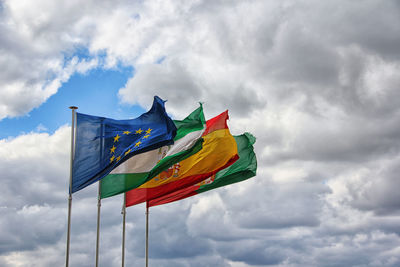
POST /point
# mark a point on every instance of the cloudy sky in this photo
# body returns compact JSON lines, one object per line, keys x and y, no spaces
{"x":317,"y":82}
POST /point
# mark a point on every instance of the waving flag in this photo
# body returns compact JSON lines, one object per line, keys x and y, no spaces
{"x":244,"y":168}
{"x":102,"y":143}
{"x":219,"y":151}
{"x":140,"y":168}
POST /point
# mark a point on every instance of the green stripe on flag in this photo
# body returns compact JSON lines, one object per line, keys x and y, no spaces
{"x":112,"y":186}
{"x":244,"y":168}
{"x":194,"y":122}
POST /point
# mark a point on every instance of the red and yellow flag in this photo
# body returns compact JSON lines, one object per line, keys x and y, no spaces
{"x":219,"y":151}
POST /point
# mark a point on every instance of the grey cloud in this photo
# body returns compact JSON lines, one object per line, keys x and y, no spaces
{"x":30,"y":227}
{"x":331,"y":139}
{"x":209,"y":260}
{"x":301,"y":57}
{"x":253,"y":254}
{"x":169,"y":237}
{"x":354,"y":253}
{"x":365,"y":26}
{"x":280,"y":206}
{"x":388,"y":224}
{"x":378,"y":190}
{"x":172,"y":82}
{"x":29,"y":174}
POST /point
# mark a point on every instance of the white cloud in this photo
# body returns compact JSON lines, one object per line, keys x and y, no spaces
{"x":36,"y":43}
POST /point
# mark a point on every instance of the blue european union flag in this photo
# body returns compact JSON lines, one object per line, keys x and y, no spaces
{"x":102,"y":144}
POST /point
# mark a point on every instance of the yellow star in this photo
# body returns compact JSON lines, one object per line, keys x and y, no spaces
{"x":118,"y":158}
{"x":138,"y":143}
{"x":116,"y":138}
{"x":139,"y":131}
{"x":112,"y":158}
{"x":146,"y":136}
{"x":148,"y":131}
{"x":127,"y":132}
{"x":112,"y":150}
{"x":127,"y":152}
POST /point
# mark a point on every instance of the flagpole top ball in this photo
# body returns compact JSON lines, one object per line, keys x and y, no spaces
{"x":73,"y":107}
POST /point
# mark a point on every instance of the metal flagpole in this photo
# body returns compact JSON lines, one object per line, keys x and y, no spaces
{"x":98,"y":224}
{"x":70,"y":183}
{"x":147,"y":233}
{"x":123,"y":212}
{"x":99,"y":199}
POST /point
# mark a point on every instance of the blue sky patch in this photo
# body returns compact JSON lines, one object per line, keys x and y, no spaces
{"x":94,"y":93}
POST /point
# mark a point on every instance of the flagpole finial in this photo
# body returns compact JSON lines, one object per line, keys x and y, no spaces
{"x":73,"y":107}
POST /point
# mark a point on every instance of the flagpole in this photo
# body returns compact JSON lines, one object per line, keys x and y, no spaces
{"x":123,"y":231}
{"x":98,"y":224}
{"x":147,"y":233}
{"x":99,"y":199}
{"x":73,"y":108}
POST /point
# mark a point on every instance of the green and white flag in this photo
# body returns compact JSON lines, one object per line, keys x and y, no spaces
{"x":141,"y":168}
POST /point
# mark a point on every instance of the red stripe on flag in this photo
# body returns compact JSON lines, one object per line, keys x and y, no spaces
{"x":217,"y":123}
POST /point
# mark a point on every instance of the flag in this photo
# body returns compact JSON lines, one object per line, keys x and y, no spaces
{"x":102,"y":143}
{"x":140,"y":168}
{"x":219,"y":151}
{"x":244,"y":168}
